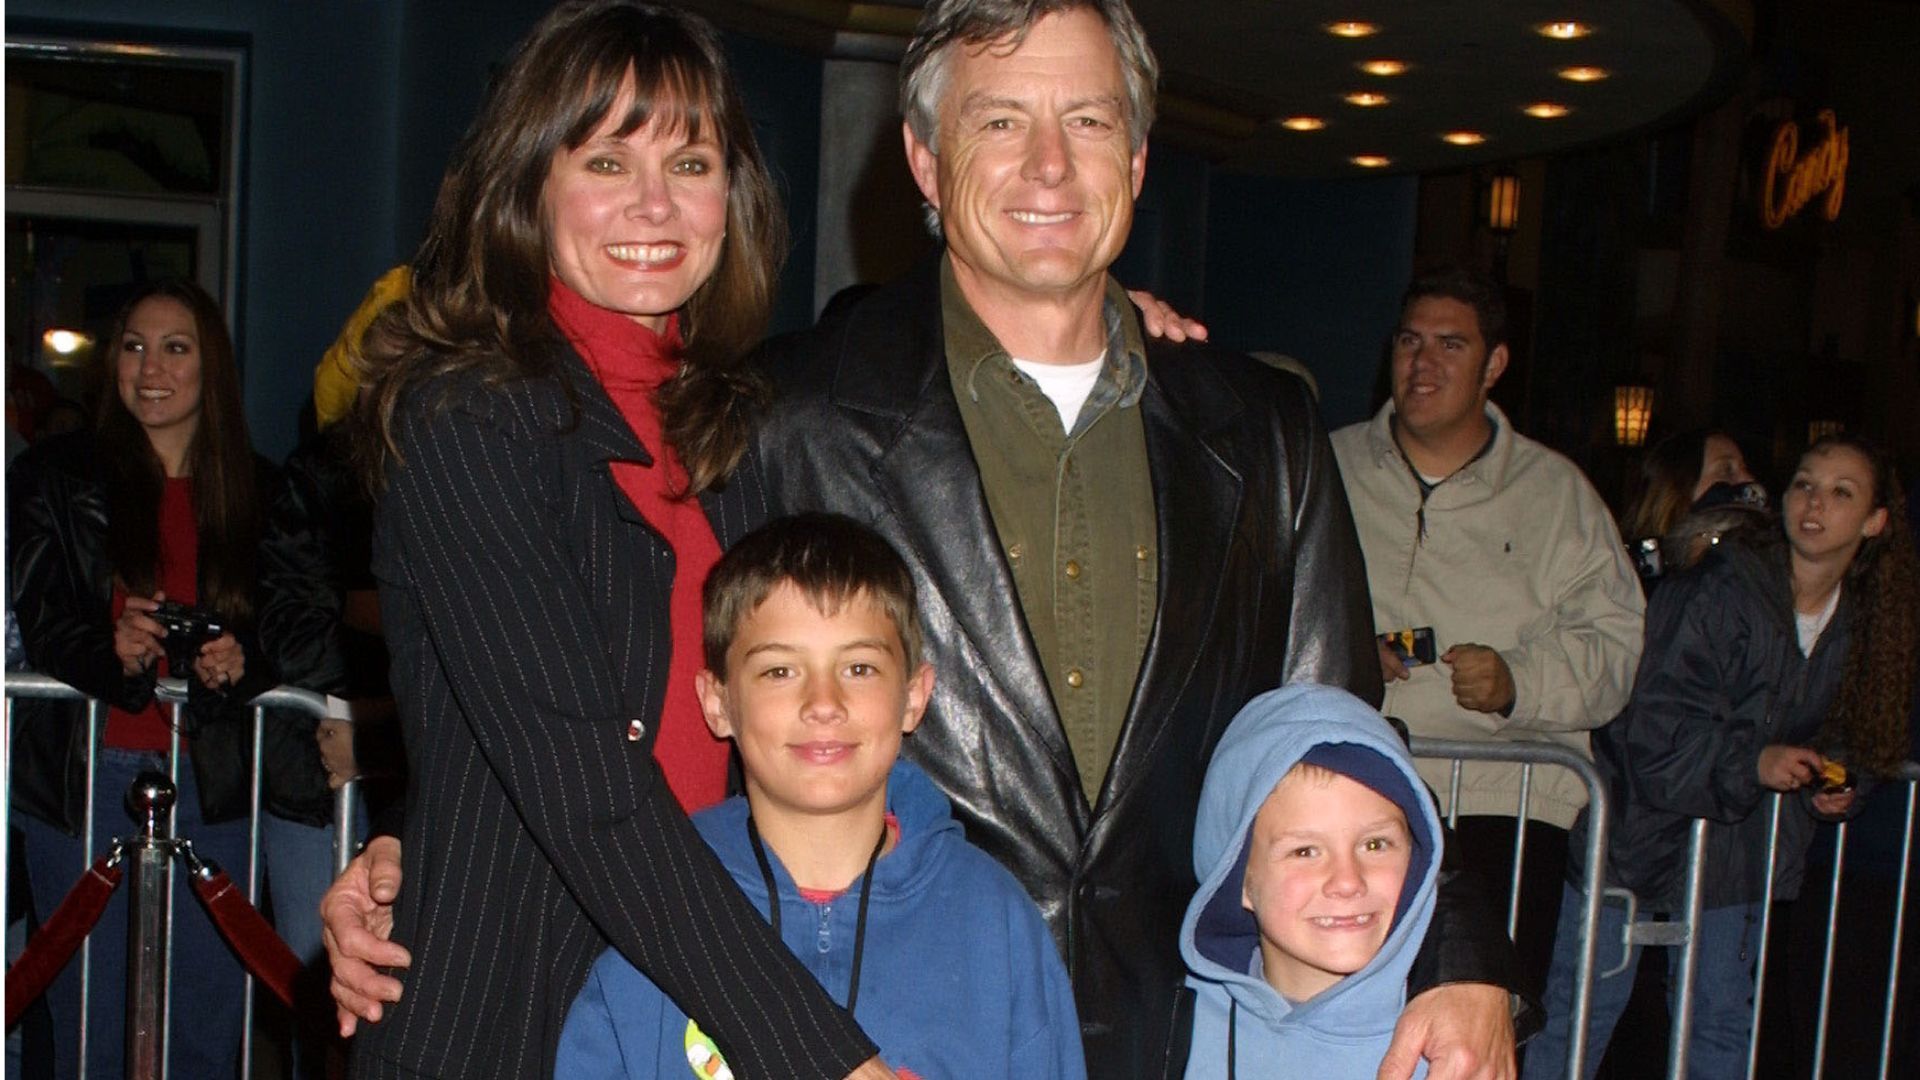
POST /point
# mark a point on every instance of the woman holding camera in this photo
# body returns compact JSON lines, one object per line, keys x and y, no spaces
{"x":148,"y":521}
{"x":1694,"y":488}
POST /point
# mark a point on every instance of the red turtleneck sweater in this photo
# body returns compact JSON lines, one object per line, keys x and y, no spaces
{"x":631,"y":362}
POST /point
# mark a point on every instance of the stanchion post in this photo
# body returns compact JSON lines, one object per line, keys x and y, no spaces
{"x":151,"y":798}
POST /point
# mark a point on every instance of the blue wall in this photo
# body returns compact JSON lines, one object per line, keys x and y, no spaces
{"x":1312,"y":269}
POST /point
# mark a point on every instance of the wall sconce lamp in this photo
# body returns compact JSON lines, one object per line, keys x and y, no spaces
{"x":1632,"y":413}
{"x":62,"y":348}
{"x":1503,"y":202}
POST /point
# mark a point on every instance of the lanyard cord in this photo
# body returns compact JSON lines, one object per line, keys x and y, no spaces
{"x":860,"y":920}
{"x":1233,"y":1028}
{"x":1426,"y":489}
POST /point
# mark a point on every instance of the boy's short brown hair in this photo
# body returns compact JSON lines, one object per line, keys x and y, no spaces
{"x":830,"y":558}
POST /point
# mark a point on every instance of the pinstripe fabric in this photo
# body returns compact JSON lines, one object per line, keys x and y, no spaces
{"x":526,"y":602}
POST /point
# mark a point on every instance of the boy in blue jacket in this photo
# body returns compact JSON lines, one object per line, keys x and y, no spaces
{"x":813,"y":670}
{"x":1317,"y":849}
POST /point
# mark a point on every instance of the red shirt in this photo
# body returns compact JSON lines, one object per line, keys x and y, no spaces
{"x":178,"y":577}
{"x":631,"y":362}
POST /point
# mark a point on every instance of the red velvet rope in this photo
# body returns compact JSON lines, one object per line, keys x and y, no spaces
{"x":258,"y":946}
{"x":255,"y":942}
{"x":62,"y":933}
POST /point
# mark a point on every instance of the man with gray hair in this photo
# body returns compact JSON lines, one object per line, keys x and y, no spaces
{"x":1118,"y":542}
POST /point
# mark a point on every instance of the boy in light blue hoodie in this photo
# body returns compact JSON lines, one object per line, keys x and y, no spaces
{"x":1317,"y":849}
{"x":814,"y":671}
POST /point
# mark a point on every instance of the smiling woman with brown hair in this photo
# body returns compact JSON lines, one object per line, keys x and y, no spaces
{"x":543,"y":411}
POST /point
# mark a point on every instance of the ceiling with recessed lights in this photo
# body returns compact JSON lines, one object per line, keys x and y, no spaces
{"x":1237,"y":70}
{"x":1403,"y":85}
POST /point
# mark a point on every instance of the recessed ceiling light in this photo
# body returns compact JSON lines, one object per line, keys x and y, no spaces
{"x":1583,"y":73}
{"x":1464,"y":138}
{"x":1366,"y":99}
{"x":1352,"y":29}
{"x":1546,"y":110}
{"x":1303,"y":123}
{"x":1563,"y":31}
{"x":1371,"y":161}
{"x":1382,"y":67}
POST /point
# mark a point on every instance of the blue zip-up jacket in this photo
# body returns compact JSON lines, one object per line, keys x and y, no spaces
{"x":1342,"y":1032}
{"x":959,"y":977}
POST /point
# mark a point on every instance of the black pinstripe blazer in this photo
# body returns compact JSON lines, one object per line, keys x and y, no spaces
{"x":526,"y":604}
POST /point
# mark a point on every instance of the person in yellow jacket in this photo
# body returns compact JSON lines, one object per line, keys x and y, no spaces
{"x":337,"y":379}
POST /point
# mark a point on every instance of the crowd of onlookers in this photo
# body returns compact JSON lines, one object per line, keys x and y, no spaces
{"x":1059,"y":674}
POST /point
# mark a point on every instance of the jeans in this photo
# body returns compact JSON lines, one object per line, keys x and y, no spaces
{"x":206,"y":980}
{"x":299,"y":868}
{"x":1722,"y":997}
{"x":299,"y":860}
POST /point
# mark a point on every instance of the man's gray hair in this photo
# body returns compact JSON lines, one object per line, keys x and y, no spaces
{"x":923,"y":71}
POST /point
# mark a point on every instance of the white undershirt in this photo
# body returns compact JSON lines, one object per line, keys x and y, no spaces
{"x":1066,"y":385}
{"x":1810,"y":627}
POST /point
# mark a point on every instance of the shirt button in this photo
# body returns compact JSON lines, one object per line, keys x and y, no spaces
{"x":1140,"y":553}
{"x":1014,"y":551}
{"x":1073,"y":569}
{"x":1075,"y":678}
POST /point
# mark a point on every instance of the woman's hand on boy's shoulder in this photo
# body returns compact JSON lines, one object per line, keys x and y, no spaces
{"x":1159,"y":319}
{"x":1464,"y":1030}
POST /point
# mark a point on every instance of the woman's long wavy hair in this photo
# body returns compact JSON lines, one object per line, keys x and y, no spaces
{"x":1871,"y":714}
{"x":219,"y":459}
{"x":480,"y":279}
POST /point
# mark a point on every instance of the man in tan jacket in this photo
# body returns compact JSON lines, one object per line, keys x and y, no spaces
{"x":1504,"y":554}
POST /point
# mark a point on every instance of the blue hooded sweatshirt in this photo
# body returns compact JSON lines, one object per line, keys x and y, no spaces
{"x":959,"y":977}
{"x":1342,"y":1032}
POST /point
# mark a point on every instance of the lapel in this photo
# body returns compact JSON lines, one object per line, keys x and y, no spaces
{"x":1197,"y":495}
{"x":600,"y":435}
{"x":893,"y":366}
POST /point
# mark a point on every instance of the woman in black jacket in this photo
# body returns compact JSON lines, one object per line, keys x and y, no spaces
{"x":562,"y":384}
{"x":1777,"y":659}
{"x":158,"y":503}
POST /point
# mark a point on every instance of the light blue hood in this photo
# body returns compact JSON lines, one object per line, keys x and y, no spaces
{"x":1344,"y":1031}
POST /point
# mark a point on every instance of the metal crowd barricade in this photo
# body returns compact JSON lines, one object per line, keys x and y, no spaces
{"x":1678,"y":933}
{"x":27,"y":684}
{"x":1529,"y":755}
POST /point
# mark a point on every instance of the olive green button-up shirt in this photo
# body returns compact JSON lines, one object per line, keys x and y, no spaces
{"x":1075,"y":516}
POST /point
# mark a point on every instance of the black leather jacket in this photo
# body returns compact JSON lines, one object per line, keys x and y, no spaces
{"x":61,"y":589}
{"x":1261,"y":583}
{"x":318,"y":546}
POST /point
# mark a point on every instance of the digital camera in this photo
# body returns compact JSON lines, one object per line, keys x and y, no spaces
{"x":188,"y":628}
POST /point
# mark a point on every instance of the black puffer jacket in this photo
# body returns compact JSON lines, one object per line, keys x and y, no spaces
{"x":61,"y":589}
{"x":1722,"y":677}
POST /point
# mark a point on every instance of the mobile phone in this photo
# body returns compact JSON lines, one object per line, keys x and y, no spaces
{"x":1414,"y":647}
{"x":1835,"y":778}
